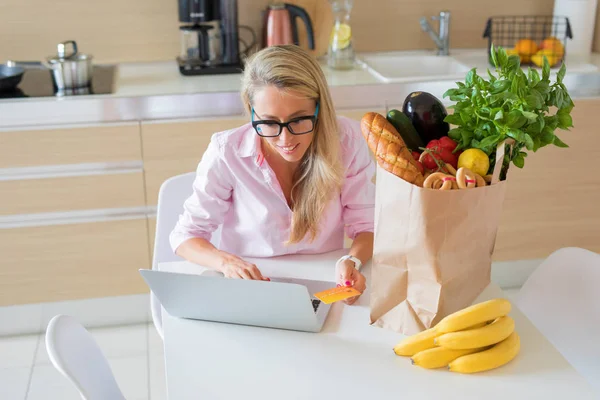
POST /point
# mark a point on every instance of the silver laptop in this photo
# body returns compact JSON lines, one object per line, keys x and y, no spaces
{"x":282,"y":303}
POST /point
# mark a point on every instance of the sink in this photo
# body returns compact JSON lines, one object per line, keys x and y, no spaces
{"x":402,"y":66}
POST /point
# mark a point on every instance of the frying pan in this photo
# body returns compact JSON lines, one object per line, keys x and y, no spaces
{"x":10,"y":76}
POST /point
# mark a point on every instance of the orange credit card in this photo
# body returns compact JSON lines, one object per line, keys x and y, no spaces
{"x":336,"y":294}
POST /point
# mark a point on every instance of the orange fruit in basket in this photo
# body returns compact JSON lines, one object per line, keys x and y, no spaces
{"x":526,"y":48}
{"x":553,"y":46}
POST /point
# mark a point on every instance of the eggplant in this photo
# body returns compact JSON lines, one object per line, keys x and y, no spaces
{"x":427,"y":115}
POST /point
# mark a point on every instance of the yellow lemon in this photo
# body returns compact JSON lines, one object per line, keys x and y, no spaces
{"x":340,"y":36}
{"x":553,"y":58}
{"x":475,"y":160}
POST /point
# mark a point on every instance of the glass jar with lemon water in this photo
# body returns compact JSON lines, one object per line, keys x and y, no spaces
{"x":341,"y":53}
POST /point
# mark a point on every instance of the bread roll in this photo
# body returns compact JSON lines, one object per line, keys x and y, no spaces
{"x":390,"y":150}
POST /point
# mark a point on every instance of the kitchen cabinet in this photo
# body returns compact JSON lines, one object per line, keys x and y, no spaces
{"x":553,"y":201}
{"x":75,"y":218}
{"x":99,"y":184}
{"x":175,"y":147}
{"x":64,"y":194}
{"x":101,"y":143}
{"x":73,"y":213}
{"x":72,"y":261}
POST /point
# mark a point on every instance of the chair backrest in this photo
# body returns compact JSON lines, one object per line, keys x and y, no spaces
{"x":75,"y":354}
{"x":562,"y":299}
{"x":171,"y":196}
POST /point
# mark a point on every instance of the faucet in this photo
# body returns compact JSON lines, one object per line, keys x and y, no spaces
{"x":442,"y":40}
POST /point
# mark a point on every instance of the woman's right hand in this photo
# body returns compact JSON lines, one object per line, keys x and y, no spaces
{"x":234,"y":267}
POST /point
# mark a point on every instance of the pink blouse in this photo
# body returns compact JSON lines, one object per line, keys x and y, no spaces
{"x":236,"y":190}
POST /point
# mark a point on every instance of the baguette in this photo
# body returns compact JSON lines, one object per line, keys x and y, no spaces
{"x":390,"y":150}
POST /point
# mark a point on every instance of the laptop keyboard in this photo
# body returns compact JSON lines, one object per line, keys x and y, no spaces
{"x":316,"y":303}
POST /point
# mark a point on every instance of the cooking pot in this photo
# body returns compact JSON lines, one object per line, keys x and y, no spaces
{"x":10,"y":76}
{"x":70,"y":70}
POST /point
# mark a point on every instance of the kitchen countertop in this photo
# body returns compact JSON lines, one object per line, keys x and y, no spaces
{"x":163,"y":78}
{"x":147,"y":91}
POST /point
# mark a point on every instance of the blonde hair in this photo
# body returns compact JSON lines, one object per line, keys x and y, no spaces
{"x":320,"y":174}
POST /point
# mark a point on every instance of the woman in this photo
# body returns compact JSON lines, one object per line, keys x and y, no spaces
{"x":290,"y":182}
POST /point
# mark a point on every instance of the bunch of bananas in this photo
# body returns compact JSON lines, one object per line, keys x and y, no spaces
{"x":478,"y":338}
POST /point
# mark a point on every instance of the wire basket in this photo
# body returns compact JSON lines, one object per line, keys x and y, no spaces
{"x":531,"y":37}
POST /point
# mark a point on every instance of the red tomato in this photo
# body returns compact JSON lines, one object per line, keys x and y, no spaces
{"x":429,"y":161}
{"x":440,"y":150}
{"x":420,"y":166}
{"x":448,"y":143}
{"x":448,"y":157}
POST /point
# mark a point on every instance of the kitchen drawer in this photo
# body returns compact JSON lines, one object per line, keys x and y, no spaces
{"x":173,"y":148}
{"x":73,"y":261}
{"x":27,"y":196}
{"x":70,"y":145}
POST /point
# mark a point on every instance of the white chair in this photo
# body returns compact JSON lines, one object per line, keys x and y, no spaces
{"x":75,"y":354}
{"x":562,"y":299}
{"x":171,"y":196}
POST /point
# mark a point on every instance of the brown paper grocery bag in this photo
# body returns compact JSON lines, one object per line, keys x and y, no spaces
{"x":433,"y":249}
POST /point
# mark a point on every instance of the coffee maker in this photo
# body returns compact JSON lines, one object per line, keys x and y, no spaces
{"x":209,"y":37}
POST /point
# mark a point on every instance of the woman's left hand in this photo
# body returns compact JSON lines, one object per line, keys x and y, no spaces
{"x":348,"y":275}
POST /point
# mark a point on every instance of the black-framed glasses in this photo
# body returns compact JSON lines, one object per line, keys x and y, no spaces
{"x":296,"y":126}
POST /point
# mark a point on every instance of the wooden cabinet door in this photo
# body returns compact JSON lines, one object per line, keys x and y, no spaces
{"x":553,"y":201}
{"x":175,"y":147}
{"x":73,"y":261}
{"x":72,"y":193}
{"x":101,"y":143}
{"x":72,"y":214}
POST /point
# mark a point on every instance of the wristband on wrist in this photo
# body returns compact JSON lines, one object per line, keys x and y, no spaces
{"x":357,"y":262}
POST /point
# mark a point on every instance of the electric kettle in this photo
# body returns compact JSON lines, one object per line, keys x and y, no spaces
{"x":280,"y":25}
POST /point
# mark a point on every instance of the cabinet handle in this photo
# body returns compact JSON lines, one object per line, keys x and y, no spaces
{"x":73,"y":217}
{"x":70,"y":170}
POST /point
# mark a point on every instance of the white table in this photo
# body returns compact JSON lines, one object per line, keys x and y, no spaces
{"x":349,"y":359}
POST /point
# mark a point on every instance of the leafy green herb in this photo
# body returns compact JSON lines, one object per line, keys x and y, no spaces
{"x":513,"y":104}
